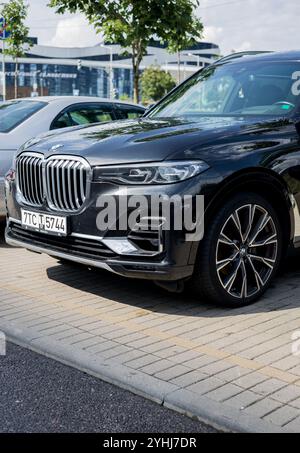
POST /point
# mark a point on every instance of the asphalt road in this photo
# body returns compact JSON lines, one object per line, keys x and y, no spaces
{"x":41,"y":395}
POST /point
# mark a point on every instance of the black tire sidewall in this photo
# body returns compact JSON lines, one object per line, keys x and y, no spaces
{"x":207,"y":251}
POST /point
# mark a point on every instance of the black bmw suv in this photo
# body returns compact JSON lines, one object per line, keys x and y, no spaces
{"x":230,"y":134}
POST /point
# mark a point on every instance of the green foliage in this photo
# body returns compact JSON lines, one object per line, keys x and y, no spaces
{"x":125,"y":97}
{"x":133,"y":23}
{"x":15,"y":14}
{"x":156,"y":83}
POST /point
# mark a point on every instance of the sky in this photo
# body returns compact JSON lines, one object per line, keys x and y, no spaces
{"x":235,"y":25}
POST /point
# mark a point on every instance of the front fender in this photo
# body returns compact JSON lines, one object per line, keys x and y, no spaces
{"x":6,"y":160}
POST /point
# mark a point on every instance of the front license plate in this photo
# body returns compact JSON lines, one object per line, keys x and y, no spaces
{"x":44,"y":223}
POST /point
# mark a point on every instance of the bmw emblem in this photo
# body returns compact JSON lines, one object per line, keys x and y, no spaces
{"x":55,"y":147}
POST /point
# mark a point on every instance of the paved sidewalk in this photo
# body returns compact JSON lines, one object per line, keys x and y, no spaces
{"x":232,"y":368}
{"x":41,"y":395}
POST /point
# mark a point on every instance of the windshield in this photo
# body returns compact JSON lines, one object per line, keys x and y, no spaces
{"x":16,"y":112}
{"x":235,"y":89}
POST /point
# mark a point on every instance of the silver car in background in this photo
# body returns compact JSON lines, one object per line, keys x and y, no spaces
{"x":23,"y":119}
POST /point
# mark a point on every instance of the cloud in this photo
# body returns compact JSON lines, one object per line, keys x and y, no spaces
{"x":252,"y":24}
{"x":74,"y":32}
{"x":232,"y":24}
{"x":212,"y":34}
{"x":244,"y":47}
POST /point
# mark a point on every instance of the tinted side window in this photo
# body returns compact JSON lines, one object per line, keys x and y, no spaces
{"x":93,"y":113}
{"x":129,"y":112}
{"x":80,"y":114}
{"x":61,"y":121}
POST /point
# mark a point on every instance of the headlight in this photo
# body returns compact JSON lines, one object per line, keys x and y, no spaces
{"x":154,"y":173}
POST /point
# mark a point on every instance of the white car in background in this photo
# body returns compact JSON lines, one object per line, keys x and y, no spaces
{"x":23,"y":119}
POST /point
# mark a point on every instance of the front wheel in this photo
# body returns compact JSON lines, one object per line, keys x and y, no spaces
{"x":240,"y":253}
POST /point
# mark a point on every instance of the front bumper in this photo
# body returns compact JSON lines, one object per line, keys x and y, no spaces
{"x":134,"y":268}
{"x":87,"y":245}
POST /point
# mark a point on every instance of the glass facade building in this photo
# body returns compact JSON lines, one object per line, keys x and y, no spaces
{"x":60,"y":71}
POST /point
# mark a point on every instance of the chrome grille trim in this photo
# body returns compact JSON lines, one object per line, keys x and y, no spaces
{"x":68,"y":181}
{"x":62,"y":181}
{"x":30,"y":178}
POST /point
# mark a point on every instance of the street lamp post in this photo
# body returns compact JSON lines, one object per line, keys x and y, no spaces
{"x":111,"y":83}
{"x":42,"y":83}
{"x":39,"y":74}
{"x":79,"y":67}
{"x":3,"y":71}
{"x":179,"y":64}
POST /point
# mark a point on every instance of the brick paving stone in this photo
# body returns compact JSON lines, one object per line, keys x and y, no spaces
{"x":272,"y":356}
{"x":78,"y":338}
{"x":103,"y":346}
{"x":286,"y":363}
{"x":243,"y":399}
{"x":70,"y":332}
{"x":130,"y":355}
{"x":295,"y":403}
{"x":89,"y":341}
{"x":263,"y":348}
{"x":205,"y":385}
{"x":111,"y":353}
{"x":282,"y":416}
{"x":129,"y":339}
{"x":57,"y":327}
{"x":199,"y":362}
{"x":262,"y":407}
{"x":170,"y":352}
{"x":171,"y":373}
{"x":140,"y":342}
{"x":142,"y":361}
{"x":114,"y":334}
{"x":158,"y":346}
{"x":189,"y":378}
{"x":224,"y":393}
{"x":156,"y":367}
{"x":287,"y":394}
{"x":82,"y":321}
{"x":232,"y":374}
{"x":251,"y":380}
{"x":268,"y":387}
{"x":294,"y":425}
{"x":295,"y":370}
{"x":216,"y":367}
{"x":185,"y":357}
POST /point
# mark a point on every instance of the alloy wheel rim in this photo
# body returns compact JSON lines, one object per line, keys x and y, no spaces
{"x":246,"y":251}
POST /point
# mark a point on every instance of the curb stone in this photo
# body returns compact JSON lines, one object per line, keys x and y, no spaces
{"x":166,"y":394}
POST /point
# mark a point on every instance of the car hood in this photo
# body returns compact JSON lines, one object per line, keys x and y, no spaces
{"x":149,"y":140}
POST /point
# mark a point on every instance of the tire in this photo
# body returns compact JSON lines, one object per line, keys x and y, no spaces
{"x":234,"y":265}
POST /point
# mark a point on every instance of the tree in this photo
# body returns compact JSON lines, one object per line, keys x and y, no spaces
{"x":133,"y":23}
{"x":15,"y":14}
{"x":156,"y":83}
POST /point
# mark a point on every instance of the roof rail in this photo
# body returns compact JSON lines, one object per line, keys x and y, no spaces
{"x":233,"y":56}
